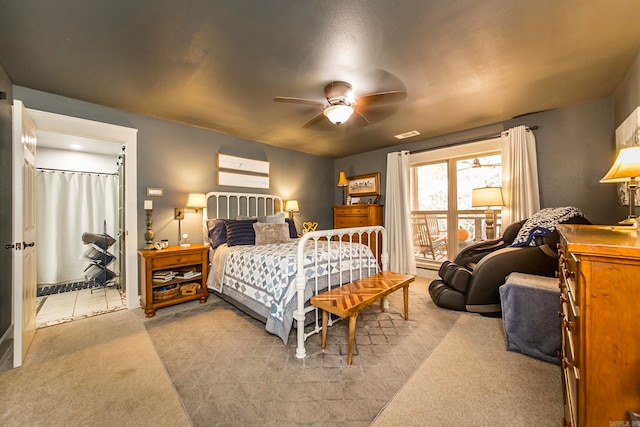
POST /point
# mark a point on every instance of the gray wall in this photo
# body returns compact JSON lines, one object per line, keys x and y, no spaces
{"x":574,"y":145}
{"x":182,"y":159}
{"x":5,"y":200}
{"x":627,"y":95}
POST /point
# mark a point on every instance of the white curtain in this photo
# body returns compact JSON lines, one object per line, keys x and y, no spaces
{"x":519,"y":175}
{"x":397,"y":214}
{"x":67,"y":205}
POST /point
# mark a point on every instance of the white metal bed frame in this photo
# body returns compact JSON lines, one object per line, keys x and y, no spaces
{"x":251,"y":204}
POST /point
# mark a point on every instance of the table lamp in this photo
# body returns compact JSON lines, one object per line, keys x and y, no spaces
{"x":195,"y":201}
{"x":291,"y":206}
{"x":343,"y":182}
{"x":488,"y":196}
{"x":626,"y":169}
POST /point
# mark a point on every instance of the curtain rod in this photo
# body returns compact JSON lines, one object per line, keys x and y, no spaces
{"x":78,"y":172}
{"x":467,"y":141}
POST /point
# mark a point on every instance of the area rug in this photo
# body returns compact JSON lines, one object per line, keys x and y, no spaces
{"x":228,"y":370}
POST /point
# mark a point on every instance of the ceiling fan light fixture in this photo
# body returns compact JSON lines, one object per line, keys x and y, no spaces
{"x":338,"y":114}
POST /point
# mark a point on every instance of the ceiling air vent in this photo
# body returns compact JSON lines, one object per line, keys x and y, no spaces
{"x":407,"y":134}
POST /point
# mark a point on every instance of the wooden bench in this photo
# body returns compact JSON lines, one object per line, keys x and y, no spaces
{"x":348,"y":300}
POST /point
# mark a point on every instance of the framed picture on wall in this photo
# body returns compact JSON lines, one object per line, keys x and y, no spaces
{"x":364,"y":185}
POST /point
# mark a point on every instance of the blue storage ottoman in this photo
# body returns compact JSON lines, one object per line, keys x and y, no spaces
{"x":530,"y":306}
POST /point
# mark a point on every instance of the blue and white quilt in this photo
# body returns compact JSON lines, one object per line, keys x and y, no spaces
{"x":266,"y":274}
{"x":543,"y":223}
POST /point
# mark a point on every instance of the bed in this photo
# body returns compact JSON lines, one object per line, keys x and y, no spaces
{"x":259,"y":264}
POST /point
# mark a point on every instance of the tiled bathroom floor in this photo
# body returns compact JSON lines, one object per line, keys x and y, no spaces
{"x":65,"y":307}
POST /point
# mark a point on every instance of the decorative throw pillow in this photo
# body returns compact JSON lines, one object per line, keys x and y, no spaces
{"x":241,"y":232}
{"x":272,"y":219}
{"x":293,"y":232}
{"x":218,"y":233}
{"x":271,"y":233}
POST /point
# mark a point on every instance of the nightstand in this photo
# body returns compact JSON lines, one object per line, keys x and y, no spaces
{"x":172,"y":275}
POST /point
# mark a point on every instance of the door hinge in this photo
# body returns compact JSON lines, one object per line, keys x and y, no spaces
{"x":28,"y":245}
{"x":17,"y":246}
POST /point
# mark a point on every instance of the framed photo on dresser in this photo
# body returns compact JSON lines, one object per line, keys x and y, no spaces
{"x":364,"y":185}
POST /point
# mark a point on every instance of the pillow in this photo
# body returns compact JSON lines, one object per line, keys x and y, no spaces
{"x":271,"y":233}
{"x":272,"y":219}
{"x":293,"y":233}
{"x":269,"y":219}
{"x":218,"y":233}
{"x":240,"y":232}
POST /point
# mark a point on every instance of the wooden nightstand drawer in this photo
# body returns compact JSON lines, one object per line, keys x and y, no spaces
{"x":175,"y":260}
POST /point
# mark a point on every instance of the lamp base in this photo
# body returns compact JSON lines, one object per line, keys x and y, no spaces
{"x":629,"y":222}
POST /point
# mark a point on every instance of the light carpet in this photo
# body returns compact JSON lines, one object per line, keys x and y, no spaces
{"x":471,"y":380}
{"x":100,"y":371}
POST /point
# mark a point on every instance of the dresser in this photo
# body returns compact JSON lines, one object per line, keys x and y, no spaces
{"x":347,"y":216}
{"x":599,"y":269}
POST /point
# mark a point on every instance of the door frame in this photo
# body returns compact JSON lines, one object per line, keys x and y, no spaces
{"x":52,"y":122}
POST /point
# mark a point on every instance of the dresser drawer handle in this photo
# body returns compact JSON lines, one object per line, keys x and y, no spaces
{"x":178,"y":259}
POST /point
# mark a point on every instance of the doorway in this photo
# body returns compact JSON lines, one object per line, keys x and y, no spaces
{"x":77,"y":187}
{"x":108,"y":134}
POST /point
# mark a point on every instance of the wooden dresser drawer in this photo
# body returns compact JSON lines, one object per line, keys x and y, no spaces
{"x":351,"y":211}
{"x":351,"y":221}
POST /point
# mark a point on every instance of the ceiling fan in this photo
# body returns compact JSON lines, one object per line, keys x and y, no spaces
{"x":341,"y":102}
{"x":475,"y":163}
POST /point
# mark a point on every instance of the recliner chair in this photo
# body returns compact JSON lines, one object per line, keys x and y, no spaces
{"x":471,"y":281}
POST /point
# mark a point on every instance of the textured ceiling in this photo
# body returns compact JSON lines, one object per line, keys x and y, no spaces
{"x":219,"y":64}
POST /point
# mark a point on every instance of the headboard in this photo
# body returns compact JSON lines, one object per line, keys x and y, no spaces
{"x":230,"y":204}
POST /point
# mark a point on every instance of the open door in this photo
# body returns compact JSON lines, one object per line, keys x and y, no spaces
{"x":24,"y":232}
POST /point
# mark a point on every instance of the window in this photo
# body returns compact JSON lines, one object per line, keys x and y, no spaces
{"x":441,"y":184}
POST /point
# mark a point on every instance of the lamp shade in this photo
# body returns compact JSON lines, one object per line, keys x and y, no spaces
{"x":342,"y":180}
{"x":196,"y":200}
{"x":487,"y":196}
{"x":338,"y":114}
{"x":625,"y":167}
{"x":291,"y":206}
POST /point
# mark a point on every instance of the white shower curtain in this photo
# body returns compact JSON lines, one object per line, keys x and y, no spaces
{"x":397,"y":214}
{"x":519,"y":175}
{"x":67,"y":205}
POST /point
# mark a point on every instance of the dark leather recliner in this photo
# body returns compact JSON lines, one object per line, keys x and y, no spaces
{"x":471,"y":281}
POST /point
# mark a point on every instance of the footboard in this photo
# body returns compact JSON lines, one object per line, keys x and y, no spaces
{"x":375,"y":237}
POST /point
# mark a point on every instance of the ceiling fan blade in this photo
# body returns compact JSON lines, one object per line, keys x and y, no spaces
{"x":291,"y":100}
{"x":363,"y":117}
{"x":383,"y":97}
{"x":314,"y":120}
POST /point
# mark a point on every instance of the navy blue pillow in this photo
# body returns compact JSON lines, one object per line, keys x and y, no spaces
{"x":293,"y":233}
{"x":218,"y":233}
{"x":241,"y":232}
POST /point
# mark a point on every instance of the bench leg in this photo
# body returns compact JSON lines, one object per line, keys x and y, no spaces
{"x":325,"y":320}
{"x":382,"y":304}
{"x":405,"y":292}
{"x":352,"y":336}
